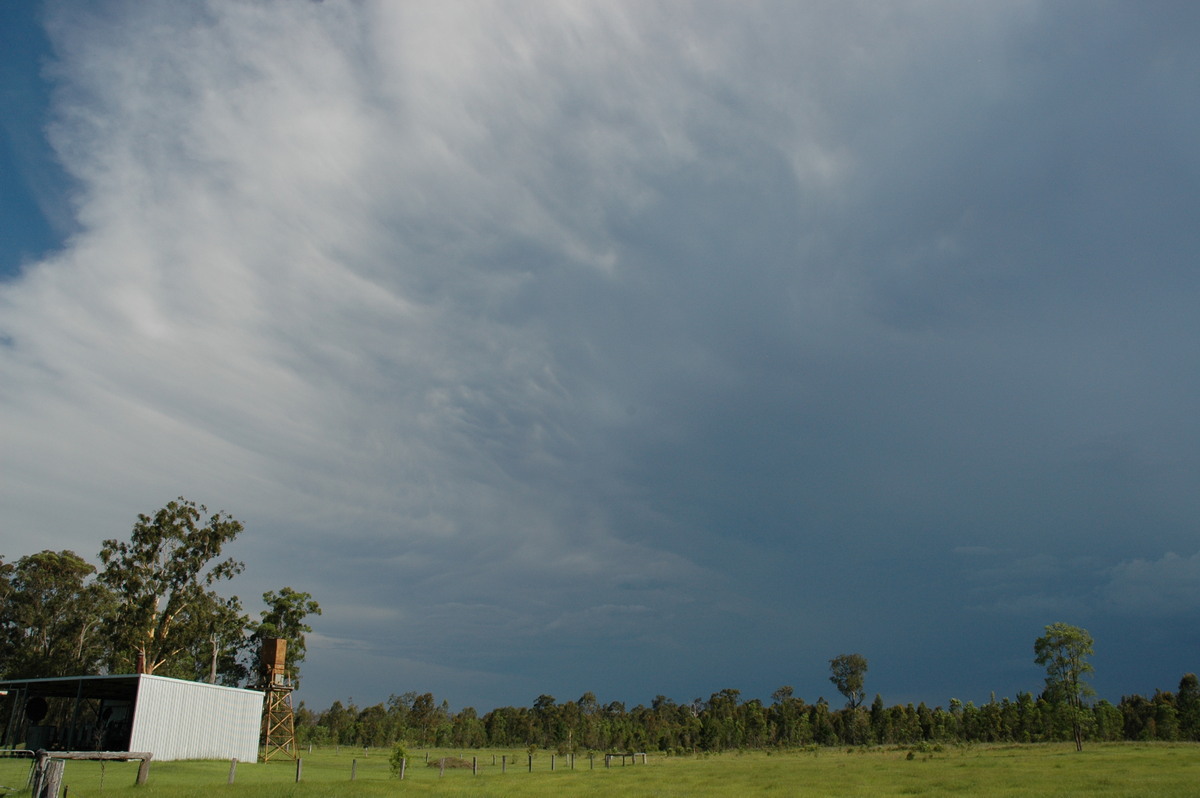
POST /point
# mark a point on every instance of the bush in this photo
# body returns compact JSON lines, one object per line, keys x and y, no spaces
{"x":399,"y":754}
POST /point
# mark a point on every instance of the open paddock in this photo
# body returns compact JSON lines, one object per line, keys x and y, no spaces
{"x":1118,"y":769}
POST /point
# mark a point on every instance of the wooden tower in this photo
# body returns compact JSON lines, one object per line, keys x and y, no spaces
{"x":279,"y":717}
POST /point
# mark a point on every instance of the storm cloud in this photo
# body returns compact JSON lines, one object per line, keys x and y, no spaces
{"x":635,"y":348}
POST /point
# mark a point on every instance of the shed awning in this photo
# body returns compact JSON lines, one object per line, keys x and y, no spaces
{"x":117,"y":686}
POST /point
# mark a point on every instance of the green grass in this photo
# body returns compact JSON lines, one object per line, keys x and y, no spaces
{"x":1119,"y":769}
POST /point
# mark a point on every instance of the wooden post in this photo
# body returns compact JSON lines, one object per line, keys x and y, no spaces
{"x":47,"y":775}
{"x":441,"y":767}
{"x":403,"y":765}
{"x":531,"y":763}
{"x":53,"y":779}
{"x":39,"y":773}
{"x":552,"y":763}
{"x":474,"y":766}
{"x":504,"y":763}
{"x":232,"y":770}
{"x":353,"y":769}
{"x":299,"y":769}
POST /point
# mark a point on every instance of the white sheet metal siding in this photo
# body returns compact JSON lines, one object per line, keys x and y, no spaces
{"x":176,"y":719}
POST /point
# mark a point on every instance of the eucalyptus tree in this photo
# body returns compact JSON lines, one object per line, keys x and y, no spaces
{"x":285,"y":617}
{"x":848,"y":672}
{"x":51,"y":611}
{"x":1187,"y":702}
{"x":548,"y":717}
{"x":163,"y":578}
{"x":219,"y":643}
{"x":1063,"y":651}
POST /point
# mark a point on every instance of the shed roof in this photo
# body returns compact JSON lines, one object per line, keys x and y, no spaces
{"x":118,"y":686}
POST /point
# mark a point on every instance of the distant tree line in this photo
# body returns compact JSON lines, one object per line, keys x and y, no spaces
{"x":153,"y":600}
{"x":725,"y":722}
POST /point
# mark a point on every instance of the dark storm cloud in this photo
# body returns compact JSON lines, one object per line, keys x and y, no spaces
{"x":642,"y":352}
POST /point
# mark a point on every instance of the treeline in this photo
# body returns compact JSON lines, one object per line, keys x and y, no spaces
{"x":725,"y":722}
{"x":152,"y":602}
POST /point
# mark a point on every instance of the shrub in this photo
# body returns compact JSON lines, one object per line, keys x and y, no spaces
{"x":396,"y":761}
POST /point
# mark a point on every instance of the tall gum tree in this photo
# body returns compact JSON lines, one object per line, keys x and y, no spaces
{"x":848,"y":674}
{"x":162,"y":578}
{"x":1063,"y":651}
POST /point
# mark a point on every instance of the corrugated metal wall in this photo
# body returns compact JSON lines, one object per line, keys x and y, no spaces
{"x":175,"y":719}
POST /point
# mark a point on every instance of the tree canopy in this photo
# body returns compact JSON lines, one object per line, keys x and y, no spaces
{"x":162,"y":578}
{"x":285,"y":618}
{"x":1063,"y":651}
{"x":52,"y":615}
{"x":154,"y":597}
{"x":848,"y":673}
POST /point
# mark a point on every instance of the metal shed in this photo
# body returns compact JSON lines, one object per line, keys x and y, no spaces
{"x":170,"y":718}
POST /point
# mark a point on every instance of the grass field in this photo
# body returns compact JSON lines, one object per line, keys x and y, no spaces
{"x":1119,"y":769}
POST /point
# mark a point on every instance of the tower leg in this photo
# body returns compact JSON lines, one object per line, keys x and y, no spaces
{"x":279,"y":723}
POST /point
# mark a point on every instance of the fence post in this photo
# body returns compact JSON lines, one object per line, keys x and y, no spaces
{"x":54,"y":774}
{"x":403,"y":765}
{"x":232,"y":769}
{"x":353,"y":769}
{"x":552,"y":763}
{"x":531,"y":763}
{"x":474,"y":766}
{"x":441,"y":767}
{"x":504,"y":763}
{"x":299,"y":770}
{"x":39,"y":770}
{"x":38,"y":779}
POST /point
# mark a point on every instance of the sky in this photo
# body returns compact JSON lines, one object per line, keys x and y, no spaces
{"x":625,"y":347}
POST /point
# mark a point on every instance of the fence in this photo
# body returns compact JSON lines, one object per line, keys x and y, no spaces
{"x":48,"y":777}
{"x":48,"y":767}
